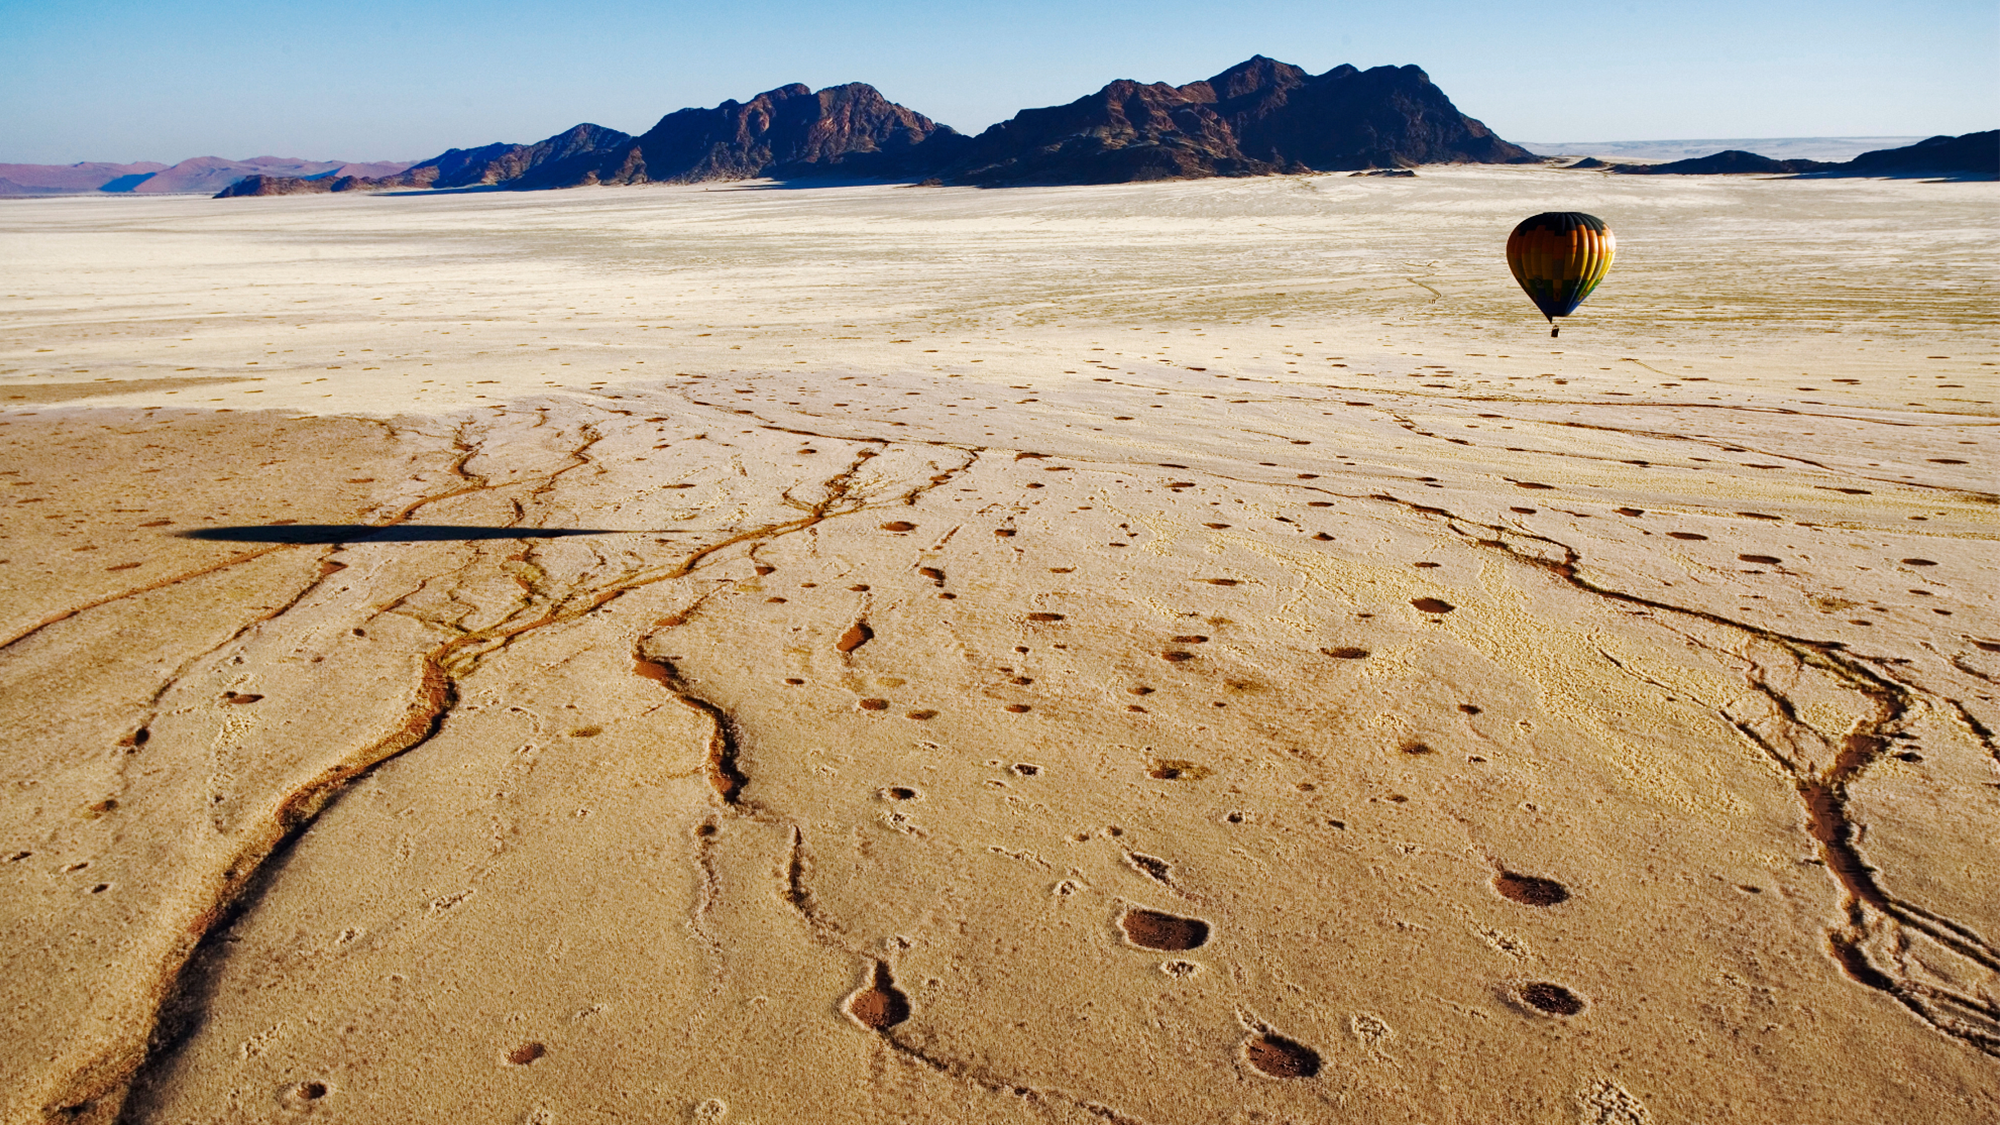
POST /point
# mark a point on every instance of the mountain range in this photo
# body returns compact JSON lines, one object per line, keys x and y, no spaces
{"x":1259,"y":117}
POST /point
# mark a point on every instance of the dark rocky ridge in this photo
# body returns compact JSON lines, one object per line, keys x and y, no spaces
{"x":1257,"y":118}
{"x":1972,"y":154}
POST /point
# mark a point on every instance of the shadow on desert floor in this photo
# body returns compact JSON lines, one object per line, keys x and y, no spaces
{"x":363,"y":533}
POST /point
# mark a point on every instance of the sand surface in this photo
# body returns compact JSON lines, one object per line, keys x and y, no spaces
{"x":1170,"y":653}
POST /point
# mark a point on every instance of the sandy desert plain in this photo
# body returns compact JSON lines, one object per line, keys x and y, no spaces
{"x":1163,"y":653}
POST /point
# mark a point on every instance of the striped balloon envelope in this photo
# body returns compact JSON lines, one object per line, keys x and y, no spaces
{"x":1559,"y":257}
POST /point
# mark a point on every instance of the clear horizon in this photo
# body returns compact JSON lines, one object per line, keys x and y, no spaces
{"x":120,"y":82}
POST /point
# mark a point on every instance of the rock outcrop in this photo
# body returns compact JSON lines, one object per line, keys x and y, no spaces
{"x":784,"y":132}
{"x":787,"y":131}
{"x":1258,"y":117}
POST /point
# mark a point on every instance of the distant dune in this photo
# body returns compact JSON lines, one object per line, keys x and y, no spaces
{"x":204,"y":175}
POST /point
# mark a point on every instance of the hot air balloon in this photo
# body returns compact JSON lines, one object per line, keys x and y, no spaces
{"x":1559,"y":257}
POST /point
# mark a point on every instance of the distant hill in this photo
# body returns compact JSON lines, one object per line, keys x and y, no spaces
{"x":456,"y":168}
{"x":1972,"y":156}
{"x":1256,"y":118}
{"x":203,"y":175}
{"x":57,"y":179}
{"x":1726,"y":163}
{"x":1777,"y":148}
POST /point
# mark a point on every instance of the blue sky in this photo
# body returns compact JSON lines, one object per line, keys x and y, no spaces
{"x":367,"y":79}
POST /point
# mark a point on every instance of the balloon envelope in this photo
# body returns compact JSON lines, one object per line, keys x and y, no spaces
{"x":1559,"y":257}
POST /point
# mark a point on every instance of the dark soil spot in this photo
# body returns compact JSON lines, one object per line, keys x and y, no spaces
{"x":1433,"y":605}
{"x":857,"y":634}
{"x":1417,"y":748}
{"x":240,"y":697}
{"x":1684,"y":535}
{"x":1004,"y":532}
{"x":874,"y":705}
{"x":1174,"y":769}
{"x":1274,"y":1056}
{"x":1191,"y":639}
{"x":1027,"y":770}
{"x":881,"y":1005}
{"x":1045,"y":617}
{"x":1018,"y":708}
{"x":1151,"y":866}
{"x":1150,"y":929}
{"x":1761,"y":560}
{"x":586,"y":732}
{"x":1551,"y":998}
{"x":1345,"y":653}
{"x":1631,"y":511}
{"x":900,"y":793}
{"x":1174,"y":657}
{"x":526,"y":1053}
{"x":1918,"y":562}
{"x":921,"y":716}
{"x":899,"y":525}
{"x":1531,"y":484}
{"x":1530,"y":890}
{"x":1222,"y":581}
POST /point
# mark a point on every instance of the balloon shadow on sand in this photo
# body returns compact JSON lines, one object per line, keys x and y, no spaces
{"x":327,"y":533}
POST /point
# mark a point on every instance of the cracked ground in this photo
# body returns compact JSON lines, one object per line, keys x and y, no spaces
{"x":884,"y":654}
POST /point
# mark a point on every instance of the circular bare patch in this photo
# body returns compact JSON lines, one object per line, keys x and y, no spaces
{"x":1551,"y":998}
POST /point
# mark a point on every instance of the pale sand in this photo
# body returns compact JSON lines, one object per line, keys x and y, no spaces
{"x":971,"y":571}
